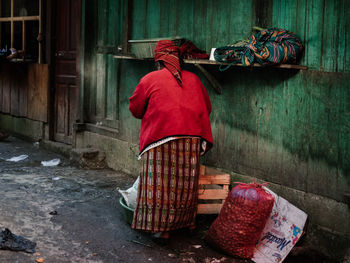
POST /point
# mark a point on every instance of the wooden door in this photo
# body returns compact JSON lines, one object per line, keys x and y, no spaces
{"x":68,"y":28}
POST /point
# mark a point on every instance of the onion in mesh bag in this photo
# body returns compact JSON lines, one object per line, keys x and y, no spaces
{"x":241,"y":220}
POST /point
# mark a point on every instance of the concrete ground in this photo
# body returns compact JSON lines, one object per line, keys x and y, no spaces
{"x":89,"y":225}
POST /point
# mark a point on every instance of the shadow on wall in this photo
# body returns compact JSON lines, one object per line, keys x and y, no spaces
{"x":306,"y":112}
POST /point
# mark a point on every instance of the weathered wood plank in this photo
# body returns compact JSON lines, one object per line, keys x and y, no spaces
{"x":123,"y":30}
{"x":164,"y":18}
{"x":314,"y":32}
{"x":139,"y":18}
{"x":101,"y":85}
{"x":6,"y":95}
{"x":212,"y":194}
{"x":23,"y":97}
{"x":184,"y":20}
{"x":173,"y":16}
{"x":209,"y":208}
{"x":112,"y":91}
{"x":153,"y":18}
{"x":1,"y":87}
{"x":199,"y":29}
{"x":300,"y":27}
{"x":14,"y":97}
{"x":73,"y":107}
{"x":214,"y":179}
{"x":262,"y":16}
{"x":38,"y":87}
{"x":202,"y":170}
{"x":343,"y":36}
{"x":330,"y":40}
{"x":103,"y":14}
{"x":346,"y":37}
{"x":293,"y":108}
{"x":113,"y":23}
{"x":60,"y":112}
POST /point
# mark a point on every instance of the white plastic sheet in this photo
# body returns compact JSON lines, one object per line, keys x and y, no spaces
{"x":17,"y":158}
{"x":53,"y":162}
{"x":282,"y":230}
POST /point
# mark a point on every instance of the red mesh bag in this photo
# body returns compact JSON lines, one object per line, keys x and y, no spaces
{"x":241,"y":220}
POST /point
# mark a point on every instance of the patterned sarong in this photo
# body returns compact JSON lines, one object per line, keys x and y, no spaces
{"x":271,"y":46}
{"x":167,"y":195}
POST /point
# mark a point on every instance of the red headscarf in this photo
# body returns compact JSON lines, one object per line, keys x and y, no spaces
{"x":168,"y":52}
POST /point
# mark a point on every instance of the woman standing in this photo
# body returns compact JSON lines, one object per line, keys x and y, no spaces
{"x":175,"y":130}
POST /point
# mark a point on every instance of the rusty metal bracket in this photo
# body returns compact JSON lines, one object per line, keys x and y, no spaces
{"x":212,"y":80}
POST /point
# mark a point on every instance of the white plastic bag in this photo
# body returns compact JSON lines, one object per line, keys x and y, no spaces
{"x":282,"y":230}
{"x":53,"y":162}
{"x":17,"y":158}
{"x":130,"y":194}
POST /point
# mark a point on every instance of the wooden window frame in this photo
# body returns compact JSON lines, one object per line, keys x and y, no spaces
{"x":23,"y":19}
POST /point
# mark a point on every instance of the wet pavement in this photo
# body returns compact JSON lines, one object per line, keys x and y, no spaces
{"x":74,"y":215}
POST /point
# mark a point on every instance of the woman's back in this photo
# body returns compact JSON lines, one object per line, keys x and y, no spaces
{"x":168,"y":109}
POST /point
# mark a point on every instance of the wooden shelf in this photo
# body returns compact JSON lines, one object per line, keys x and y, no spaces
{"x":212,"y":80}
{"x":209,"y":62}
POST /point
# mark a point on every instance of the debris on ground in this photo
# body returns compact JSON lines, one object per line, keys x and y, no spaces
{"x":10,"y":241}
{"x":56,"y":178}
{"x":197,"y":246}
{"x":88,"y":158}
{"x":3,"y":135}
{"x":172,"y":255}
{"x":215,"y":260}
{"x":53,"y":213}
{"x":140,"y":243}
{"x":40,"y":260}
{"x":53,"y":162}
{"x":188,"y":260}
{"x":17,"y":158}
{"x":188,"y":254}
{"x":23,"y":187}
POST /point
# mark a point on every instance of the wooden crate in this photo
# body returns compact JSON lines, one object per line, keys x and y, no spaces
{"x":213,"y":190}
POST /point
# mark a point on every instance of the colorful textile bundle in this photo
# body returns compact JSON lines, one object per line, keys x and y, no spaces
{"x":272,"y":46}
{"x":230,"y":54}
{"x":266,"y":47}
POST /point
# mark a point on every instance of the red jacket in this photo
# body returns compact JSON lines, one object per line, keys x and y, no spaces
{"x":167,"y":109}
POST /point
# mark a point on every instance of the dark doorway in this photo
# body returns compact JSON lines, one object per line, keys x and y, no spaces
{"x":67,"y":68}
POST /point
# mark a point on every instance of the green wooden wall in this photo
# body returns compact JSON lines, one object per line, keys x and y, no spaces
{"x":102,"y":36}
{"x":285,"y":126}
